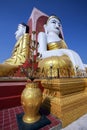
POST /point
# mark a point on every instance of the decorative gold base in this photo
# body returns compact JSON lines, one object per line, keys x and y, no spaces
{"x":7,"y":70}
{"x":66,"y":98}
{"x":30,"y":120}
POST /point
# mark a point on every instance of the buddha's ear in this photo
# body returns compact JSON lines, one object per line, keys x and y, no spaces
{"x":45,"y":28}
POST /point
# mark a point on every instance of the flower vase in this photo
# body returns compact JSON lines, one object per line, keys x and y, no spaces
{"x":31,"y":99}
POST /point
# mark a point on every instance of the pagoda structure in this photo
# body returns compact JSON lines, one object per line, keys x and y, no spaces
{"x":64,"y":97}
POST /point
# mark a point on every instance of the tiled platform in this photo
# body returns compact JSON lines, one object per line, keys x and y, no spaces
{"x":8,"y":120}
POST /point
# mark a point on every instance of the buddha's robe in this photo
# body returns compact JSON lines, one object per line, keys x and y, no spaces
{"x":19,"y":55}
{"x":20,"y":52}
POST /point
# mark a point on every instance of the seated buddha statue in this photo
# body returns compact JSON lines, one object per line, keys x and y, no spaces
{"x":20,"y":52}
{"x":21,"y":48}
{"x":55,"y":57}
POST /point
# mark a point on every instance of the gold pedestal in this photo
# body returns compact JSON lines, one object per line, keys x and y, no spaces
{"x":7,"y":70}
{"x":66,"y":98}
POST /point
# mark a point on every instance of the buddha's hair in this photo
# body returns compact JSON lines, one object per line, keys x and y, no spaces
{"x":53,"y":16}
{"x":27,"y":27}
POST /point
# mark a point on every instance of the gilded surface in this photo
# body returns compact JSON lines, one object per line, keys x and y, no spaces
{"x":56,"y":66}
{"x":66,"y":98}
{"x":20,"y":52}
{"x":7,"y":70}
{"x":31,"y":99}
{"x":19,"y":56}
{"x":56,"y":45}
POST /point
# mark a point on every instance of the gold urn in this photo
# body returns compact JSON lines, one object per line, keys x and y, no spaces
{"x":31,"y":99}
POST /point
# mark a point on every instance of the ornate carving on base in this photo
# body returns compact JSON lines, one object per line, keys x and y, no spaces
{"x":65,"y":98}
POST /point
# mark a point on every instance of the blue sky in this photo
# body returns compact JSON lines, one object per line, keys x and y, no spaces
{"x":73,"y":14}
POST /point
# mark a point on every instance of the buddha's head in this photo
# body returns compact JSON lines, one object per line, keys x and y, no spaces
{"x":54,"y":25}
{"x":21,"y":30}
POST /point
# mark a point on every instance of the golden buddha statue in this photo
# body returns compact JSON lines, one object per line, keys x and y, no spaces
{"x":55,"y":57}
{"x":20,"y":52}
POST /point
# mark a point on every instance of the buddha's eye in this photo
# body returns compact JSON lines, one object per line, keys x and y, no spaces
{"x":53,"y":21}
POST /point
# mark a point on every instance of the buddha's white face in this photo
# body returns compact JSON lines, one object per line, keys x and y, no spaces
{"x":53,"y":25}
{"x":20,"y":31}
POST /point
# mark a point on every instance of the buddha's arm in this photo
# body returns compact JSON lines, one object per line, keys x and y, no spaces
{"x":42,"y":42}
